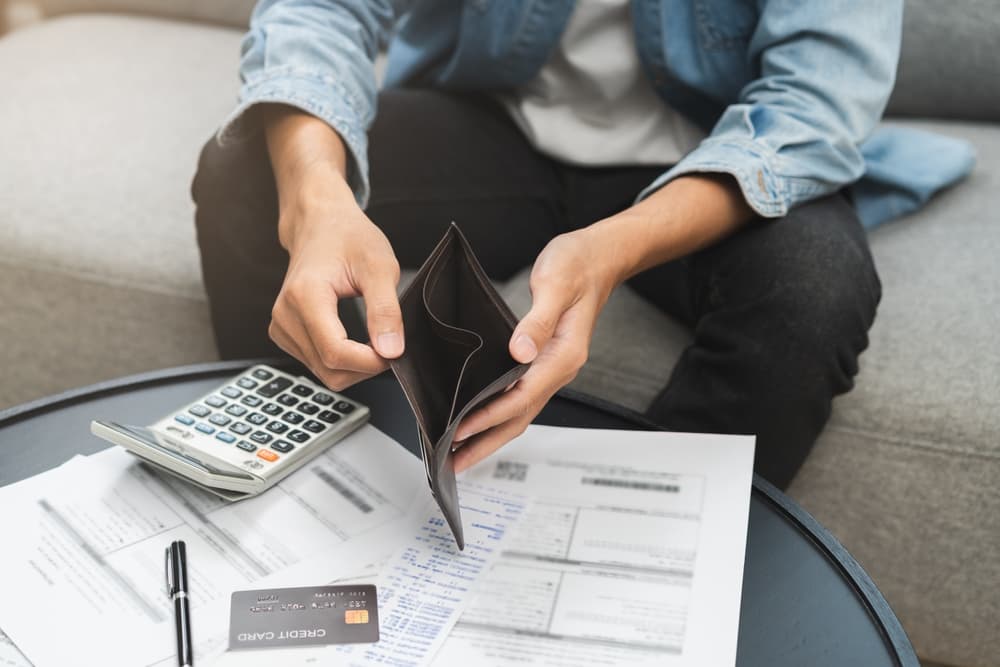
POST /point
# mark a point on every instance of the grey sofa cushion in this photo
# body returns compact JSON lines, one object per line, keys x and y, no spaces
{"x":110,"y":134}
{"x":949,"y":66}
{"x":101,"y":276}
{"x":60,"y":331}
{"x":235,"y":13}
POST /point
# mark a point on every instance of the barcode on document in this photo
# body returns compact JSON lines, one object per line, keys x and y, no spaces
{"x":339,"y":487}
{"x":511,"y":470}
{"x":627,"y":484}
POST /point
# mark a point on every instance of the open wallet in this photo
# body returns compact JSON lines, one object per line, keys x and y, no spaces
{"x":457,"y":330}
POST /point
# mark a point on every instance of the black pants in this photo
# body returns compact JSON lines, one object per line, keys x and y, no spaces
{"x":780,"y":311}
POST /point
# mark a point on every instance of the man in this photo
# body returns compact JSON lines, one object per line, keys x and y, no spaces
{"x":695,"y":149}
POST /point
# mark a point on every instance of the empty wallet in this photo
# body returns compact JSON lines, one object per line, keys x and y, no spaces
{"x":457,"y":330}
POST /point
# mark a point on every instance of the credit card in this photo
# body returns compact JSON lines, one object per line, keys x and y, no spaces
{"x":307,"y":616}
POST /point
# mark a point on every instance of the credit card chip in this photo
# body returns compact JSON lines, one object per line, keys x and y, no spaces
{"x":356,"y":616}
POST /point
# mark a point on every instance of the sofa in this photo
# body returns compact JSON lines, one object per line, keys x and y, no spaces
{"x":103,"y":109}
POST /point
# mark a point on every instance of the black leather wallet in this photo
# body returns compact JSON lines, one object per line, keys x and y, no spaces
{"x":457,"y":330}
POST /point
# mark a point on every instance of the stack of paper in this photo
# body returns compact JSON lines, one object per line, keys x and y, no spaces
{"x":583,"y":547}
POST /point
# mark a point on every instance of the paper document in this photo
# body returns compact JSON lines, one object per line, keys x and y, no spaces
{"x":422,"y":588}
{"x":631,"y":553}
{"x":91,"y":534}
{"x":9,"y":655}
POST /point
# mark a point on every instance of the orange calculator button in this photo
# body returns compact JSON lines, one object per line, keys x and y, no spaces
{"x":267,"y":455}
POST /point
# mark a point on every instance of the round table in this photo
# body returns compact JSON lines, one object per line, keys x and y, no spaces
{"x":806,"y":601}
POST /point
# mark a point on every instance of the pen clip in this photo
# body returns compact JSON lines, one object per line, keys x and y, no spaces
{"x":168,"y":571}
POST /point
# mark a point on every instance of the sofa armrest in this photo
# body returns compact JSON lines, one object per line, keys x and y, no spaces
{"x":235,"y":13}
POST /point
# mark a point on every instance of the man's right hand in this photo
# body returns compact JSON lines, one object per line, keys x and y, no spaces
{"x":334,"y":252}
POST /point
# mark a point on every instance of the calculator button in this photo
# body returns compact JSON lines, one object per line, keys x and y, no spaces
{"x":225,"y":437}
{"x":216,"y":401}
{"x":313,"y":425}
{"x":236,"y":410}
{"x":199,"y":410}
{"x":246,"y":383}
{"x":292,"y":417}
{"x":302,"y":390}
{"x":323,"y":399}
{"x":220,"y":419}
{"x":329,"y":416}
{"x":184,"y":419}
{"x":298,"y":436}
{"x":272,"y":409}
{"x":344,"y":407}
{"x":261,"y":438}
{"x":274,"y":387}
{"x":231,"y":392}
{"x":251,"y":400}
{"x":277,"y":427}
{"x":287,"y":399}
{"x":261,"y":374}
{"x":246,"y":446}
{"x":239,"y":428}
{"x":308,"y":408}
{"x":282,"y":446}
{"x":204,"y":428}
{"x":256,"y":419}
{"x":267,"y":455}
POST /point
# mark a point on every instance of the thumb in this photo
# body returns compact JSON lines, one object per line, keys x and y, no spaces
{"x":536,"y":328}
{"x":385,"y":322}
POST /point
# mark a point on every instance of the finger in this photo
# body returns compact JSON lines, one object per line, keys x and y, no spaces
{"x":512,"y":404}
{"x":336,"y":380}
{"x":283,"y":340}
{"x":537,"y":327}
{"x":385,"y":321}
{"x":487,"y":443}
{"x":316,"y":312}
{"x":341,"y":380}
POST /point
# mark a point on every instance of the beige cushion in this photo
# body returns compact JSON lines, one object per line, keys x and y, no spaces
{"x":234,"y":13}
{"x":104,"y":143}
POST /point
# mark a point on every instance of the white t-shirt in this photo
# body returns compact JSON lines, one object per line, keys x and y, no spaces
{"x":592,"y":103}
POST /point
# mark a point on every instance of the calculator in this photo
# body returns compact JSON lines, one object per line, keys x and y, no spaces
{"x":245,"y":435}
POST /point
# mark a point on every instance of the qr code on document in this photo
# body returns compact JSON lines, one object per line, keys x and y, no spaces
{"x":511,"y":470}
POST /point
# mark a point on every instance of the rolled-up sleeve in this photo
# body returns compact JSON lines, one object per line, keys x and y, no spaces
{"x":317,"y":56}
{"x":826,"y":70}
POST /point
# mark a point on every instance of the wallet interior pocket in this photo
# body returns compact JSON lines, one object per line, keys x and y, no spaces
{"x":462,"y":305}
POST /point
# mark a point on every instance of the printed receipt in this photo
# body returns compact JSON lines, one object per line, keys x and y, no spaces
{"x":426,"y":586}
{"x":423,"y":587}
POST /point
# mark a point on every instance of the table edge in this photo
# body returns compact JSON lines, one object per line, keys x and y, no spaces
{"x":878,"y":607}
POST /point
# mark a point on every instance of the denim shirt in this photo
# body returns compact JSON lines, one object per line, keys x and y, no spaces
{"x":790,"y":91}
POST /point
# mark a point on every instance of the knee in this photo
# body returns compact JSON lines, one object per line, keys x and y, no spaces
{"x":210,"y":176}
{"x":810,"y":284}
{"x":829,"y":302}
{"x":233,"y":191}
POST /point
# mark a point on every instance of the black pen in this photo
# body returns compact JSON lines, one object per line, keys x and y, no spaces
{"x":177,"y":590}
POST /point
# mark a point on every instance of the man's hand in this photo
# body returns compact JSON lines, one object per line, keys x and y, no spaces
{"x":571,"y":282}
{"x":334,"y":252}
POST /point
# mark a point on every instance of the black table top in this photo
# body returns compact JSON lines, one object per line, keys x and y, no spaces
{"x":806,"y":601}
